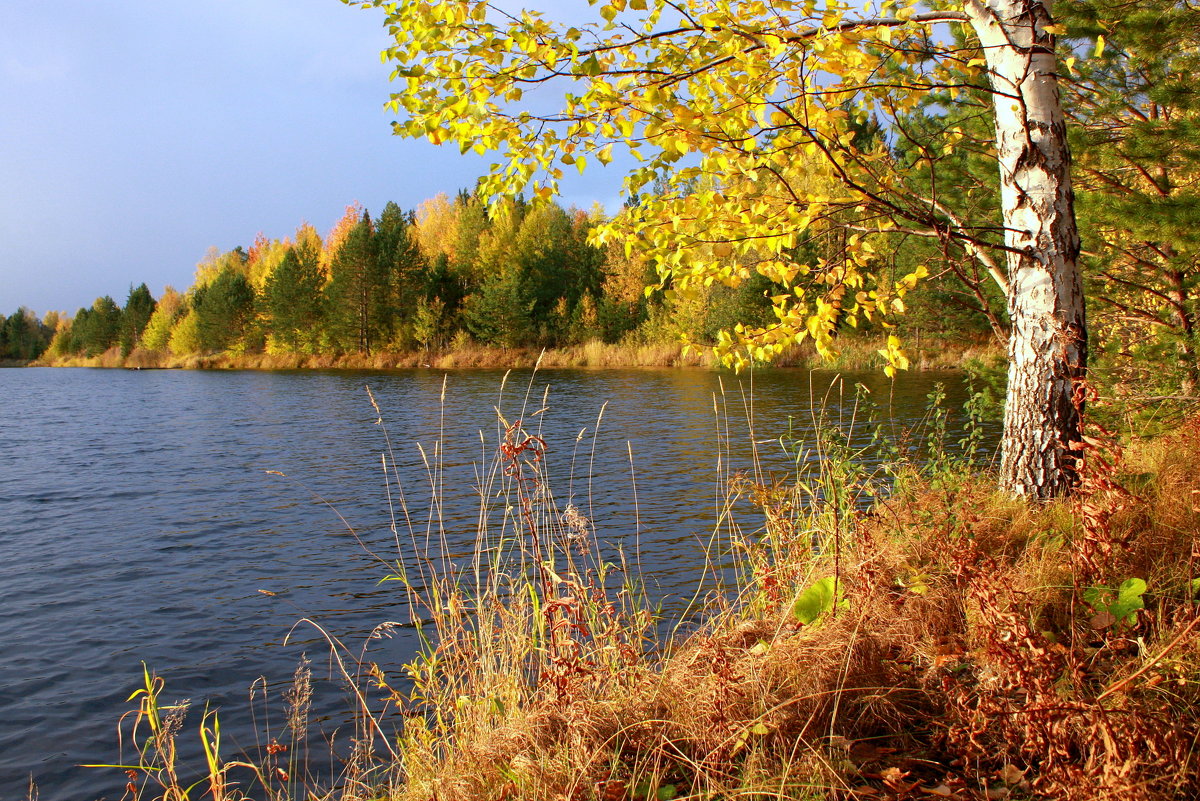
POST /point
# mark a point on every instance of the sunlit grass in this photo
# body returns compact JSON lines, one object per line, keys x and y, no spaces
{"x":854,"y":353}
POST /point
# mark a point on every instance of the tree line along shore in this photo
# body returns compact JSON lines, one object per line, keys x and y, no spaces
{"x":450,"y":284}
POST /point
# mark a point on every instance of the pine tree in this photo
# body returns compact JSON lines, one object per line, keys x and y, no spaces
{"x":1136,"y":107}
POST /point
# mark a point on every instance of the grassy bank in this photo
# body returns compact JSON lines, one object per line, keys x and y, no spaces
{"x":856,"y":353}
{"x":946,"y":642}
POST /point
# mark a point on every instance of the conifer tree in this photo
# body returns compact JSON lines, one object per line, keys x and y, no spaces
{"x":139,"y":307}
{"x":1135,"y":102}
{"x":354,"y":283}
{"x":554,"y":270}
{"x":23,"y":336}
{"x":95,"y":330}
{"x":223,"y":310}
{"x":402,"y":271}
{"x":501,"y":310}
{"x":292,"y":299}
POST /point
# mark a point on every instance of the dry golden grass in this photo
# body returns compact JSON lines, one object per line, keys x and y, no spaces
{"x":855,"y":353}
{"x":965,"y":664}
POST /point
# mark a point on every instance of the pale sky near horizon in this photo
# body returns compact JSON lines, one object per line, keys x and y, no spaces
{"x":136,"y":134}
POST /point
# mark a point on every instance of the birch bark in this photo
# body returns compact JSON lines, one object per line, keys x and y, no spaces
{"x":1048,"y":342}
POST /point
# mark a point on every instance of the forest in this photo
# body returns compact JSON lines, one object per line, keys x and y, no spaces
{"x":445,"y":275}
{"x":450,"y":274}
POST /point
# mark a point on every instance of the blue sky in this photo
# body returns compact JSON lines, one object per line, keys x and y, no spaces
{"x":135,"y":134}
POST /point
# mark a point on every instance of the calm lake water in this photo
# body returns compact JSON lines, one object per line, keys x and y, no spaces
{"x":139,"y":522}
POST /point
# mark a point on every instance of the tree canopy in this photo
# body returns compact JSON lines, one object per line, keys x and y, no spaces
{"x":757,"y":117}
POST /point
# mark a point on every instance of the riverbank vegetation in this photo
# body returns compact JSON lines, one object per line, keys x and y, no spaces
{"x":941,"y":641}
{"x":857,"y":353}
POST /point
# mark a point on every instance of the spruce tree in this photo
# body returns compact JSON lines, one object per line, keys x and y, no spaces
{"x":223,"y":310}
{"x":354,"y":283}
{"x":139,"y":307}
{"x":402,"y":270}
{"x":292,"y":299}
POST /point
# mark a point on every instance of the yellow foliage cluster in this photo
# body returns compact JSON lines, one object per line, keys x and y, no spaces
{"x":755,"y":101}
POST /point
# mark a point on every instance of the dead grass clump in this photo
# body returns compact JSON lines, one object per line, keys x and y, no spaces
{"x":1063,"y":633}
{"x":979,"y":649}
{"x":971,"y":647}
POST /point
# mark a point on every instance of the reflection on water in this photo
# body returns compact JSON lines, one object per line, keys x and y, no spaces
{"x":139,"y":519}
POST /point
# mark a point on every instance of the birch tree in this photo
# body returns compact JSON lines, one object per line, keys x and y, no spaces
{"x":762,"y":99}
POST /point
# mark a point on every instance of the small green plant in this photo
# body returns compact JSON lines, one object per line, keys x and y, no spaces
{"x":938,"y":461}
{"x":989,"y":382}
{"x":976,"y":407}
{"x":941,"y":464}
{"x":818,"y":599}
{"x":1116,"y":605}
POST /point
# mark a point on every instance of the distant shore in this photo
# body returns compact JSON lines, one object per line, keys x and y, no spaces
{"x":856,"y":354}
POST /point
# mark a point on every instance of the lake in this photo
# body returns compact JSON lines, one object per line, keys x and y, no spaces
{"x":143,"y":518}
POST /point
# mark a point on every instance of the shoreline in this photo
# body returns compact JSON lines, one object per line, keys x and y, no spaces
{"x":856,"y":354}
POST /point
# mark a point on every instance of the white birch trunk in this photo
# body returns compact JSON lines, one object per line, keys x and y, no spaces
{"x":1048,"y":343}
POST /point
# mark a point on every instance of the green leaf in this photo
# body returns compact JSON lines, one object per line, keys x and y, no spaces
{"x":667,"y":792}
{"x":815,"y":601}
{"x":591,"y":67}
{"x":1119,"y":604}
{"x":1129,"y":600}
{"x":1131,"y":588}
